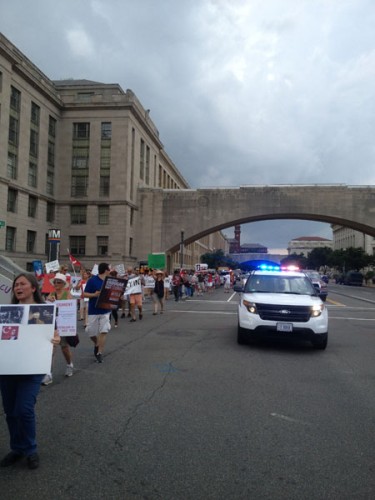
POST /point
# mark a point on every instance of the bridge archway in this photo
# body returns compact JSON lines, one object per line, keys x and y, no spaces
{"x":204,"y":211}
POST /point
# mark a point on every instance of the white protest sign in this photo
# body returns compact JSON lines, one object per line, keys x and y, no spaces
{"x":134,"y":286}
{"x":95,"y":270}
{"x":5,"y":290}
{"x":66,"y":317}
{"x":52,"y":266}
{"x":26,"y":332}
{"x":120,"y":268}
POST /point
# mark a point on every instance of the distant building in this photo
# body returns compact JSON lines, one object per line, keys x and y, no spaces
{"x":235,"y":246}
{"x":345,"y":237}
{"x":304,"y":244}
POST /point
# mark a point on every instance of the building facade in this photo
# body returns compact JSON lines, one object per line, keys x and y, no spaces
{"x":73,"y":154}
{"x":304,"y":244}
{"x":345,"y":237}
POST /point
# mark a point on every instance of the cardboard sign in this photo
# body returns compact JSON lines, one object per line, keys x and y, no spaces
{"x":111,"y":292}
{"x":26,"y":332}
{"x":5,"y":290}
{"x":66,"y":317}
{"x":134,"y":286}
{"x":52,"y":266}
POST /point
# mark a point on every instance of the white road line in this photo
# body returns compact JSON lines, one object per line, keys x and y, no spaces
{"x":288,"y":419}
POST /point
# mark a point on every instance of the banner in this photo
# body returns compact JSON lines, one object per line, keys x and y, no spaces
{"x":38,"y":268}
{"x":111,"y":292}
{"x":26,"y":331}
{"x":74,"y":261}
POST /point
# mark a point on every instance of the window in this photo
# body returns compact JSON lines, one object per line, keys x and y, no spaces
{"x":50,"y":215}
{"x":35,"y":114}
{"x":51,"y":153}
{"x":52,"y":127}
{"x":77,"y":245}
{"x":33,"y":203}
{"x":102,"y":245}
{"x":105,"y":158}
{"x":80,"y":157}
{"x":10,"y":239}
{"x":147,"y":165}
{"x":34,"y":140}
{"x":32,"y":177}
{"x":130,"y":246}
{"x":30,"y":242}
{"x":142,"y":160}
{"x":50,"y":182}
{"x":79,"y":185}
{"x":12,"y":200}
{"x":81,"y":131}
{"x":78,"y":214}
{"x":15,"y":99}
{"x":106,"y":130}
{"x":104,"y":185}
{"x":131,"y":216}
{"x":103,"y":214}
{"x":13,"y":131}
{"x":12,"y":166}
{"x":85,"y":96}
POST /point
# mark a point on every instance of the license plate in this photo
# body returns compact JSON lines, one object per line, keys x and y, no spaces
{"x":284,"y":327}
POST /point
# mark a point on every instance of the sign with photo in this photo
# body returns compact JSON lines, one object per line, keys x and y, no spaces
{"x":111,"y":293}
{"x":26,"y":331}
{"x":52,"y":266}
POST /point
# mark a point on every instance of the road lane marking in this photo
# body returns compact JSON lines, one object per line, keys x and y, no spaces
{"x":335,"y":303}
{"x":288,"y":419}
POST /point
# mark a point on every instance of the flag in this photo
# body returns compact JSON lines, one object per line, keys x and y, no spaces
{"x":74,"y":261}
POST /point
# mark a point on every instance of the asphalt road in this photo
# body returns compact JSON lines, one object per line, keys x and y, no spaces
{"x":179,"y":411}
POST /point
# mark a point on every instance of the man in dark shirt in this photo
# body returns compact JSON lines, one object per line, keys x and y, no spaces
{"x":98,"y":324}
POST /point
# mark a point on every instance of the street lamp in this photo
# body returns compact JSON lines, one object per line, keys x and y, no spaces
{"x":182,"y":249}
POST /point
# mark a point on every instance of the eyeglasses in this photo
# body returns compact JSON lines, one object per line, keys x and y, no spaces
{"x":58,"y":282}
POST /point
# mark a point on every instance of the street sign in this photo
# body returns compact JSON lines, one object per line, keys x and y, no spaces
{"x":2,"y":223}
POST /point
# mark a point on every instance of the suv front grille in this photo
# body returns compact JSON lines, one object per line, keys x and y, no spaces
{"x":295,"y":314}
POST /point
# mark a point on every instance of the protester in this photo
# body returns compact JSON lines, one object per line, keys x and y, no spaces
{"x":134,"y":292}
{"x":98,"y":319}
{"x":19,"y":392}
{"x":176,"y":284}
{"x":61,"y":293}
{"x":158,"y":295}
{"x":114,"y":312}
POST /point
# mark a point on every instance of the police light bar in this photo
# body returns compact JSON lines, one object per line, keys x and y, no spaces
{"x":269,"y":267}
{"x":290,"y":268}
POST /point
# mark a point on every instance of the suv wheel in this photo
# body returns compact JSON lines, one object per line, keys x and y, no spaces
{"x":321,"y":342}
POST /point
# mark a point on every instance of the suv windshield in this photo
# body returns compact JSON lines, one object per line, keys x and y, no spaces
{"x":279,"y":284}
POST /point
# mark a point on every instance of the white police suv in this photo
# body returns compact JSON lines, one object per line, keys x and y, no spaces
{"x":281,"y":303}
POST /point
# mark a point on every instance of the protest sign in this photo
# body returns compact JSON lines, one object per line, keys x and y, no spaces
{"x":156,"y":260}
{"x":134,"y":285}
{"x":120,"y":268}
{"x":111,"y":292}
{"x":5,"y":290}
{"x":52,"y":266}
{"x":26,"y":331}
{"x":66,"y":317}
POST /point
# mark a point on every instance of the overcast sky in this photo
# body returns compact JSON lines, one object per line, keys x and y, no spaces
{"x":242,"y":91}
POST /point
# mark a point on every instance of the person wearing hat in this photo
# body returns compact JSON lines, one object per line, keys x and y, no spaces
{"x":59,"y":283}
{"x":158,"y":294}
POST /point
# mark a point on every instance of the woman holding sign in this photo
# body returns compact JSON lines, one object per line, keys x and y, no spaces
{"x":19,"y":392}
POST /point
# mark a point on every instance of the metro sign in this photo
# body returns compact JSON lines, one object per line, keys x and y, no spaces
{"x":54,"y":235}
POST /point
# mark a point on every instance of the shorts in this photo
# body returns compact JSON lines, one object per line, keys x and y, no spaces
{"x":98,"y":323}
{"x":136,"y":299}
{"x":63,"y":342}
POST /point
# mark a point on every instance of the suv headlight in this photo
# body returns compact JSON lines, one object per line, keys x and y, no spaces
{"x":250,"y":306}
{"x":317,"y":310}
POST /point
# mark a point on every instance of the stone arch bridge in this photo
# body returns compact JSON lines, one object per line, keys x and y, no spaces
{"x":198,"y":212}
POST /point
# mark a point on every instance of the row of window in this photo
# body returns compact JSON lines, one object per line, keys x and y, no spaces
{"x":77,"y":244}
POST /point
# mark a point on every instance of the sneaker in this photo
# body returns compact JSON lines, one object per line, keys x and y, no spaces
{"x":33,"y":461}
{"x":99,"y":358}
{"x":69,"y":371}
{"x":132,"y":320}
{"x":10,"y":459}
{"x":47,"y":380}
{"x":116,"y":325}
{"x":96,"y":348}
{"x":140,"y":316}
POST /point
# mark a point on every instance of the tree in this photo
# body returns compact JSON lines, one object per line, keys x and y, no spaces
{"x":319,"y":257}
{"x":350,"y":259}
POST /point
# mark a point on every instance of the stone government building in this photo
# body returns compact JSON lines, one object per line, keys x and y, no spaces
{"x":73,"y":154}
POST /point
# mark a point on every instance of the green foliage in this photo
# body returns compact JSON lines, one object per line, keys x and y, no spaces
{"x":319,"y":257}
{"x":350,"y":259}
{"x":217,"y":259}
